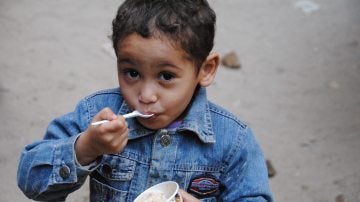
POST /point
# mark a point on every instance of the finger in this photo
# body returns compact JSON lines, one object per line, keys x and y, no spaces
{"x":117,"y":125}
{"x":105,"y":114}
{"x":117,"y":140}
{"x":187,"y":197}
{"x":120,"y":141}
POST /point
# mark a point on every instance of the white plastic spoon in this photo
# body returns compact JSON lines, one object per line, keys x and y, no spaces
{"x":126,"y":116}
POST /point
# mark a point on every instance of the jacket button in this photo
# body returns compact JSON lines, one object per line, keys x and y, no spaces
{"x":165,"y":138}
{"x":64,"y":171}
{"x":107,"y":170}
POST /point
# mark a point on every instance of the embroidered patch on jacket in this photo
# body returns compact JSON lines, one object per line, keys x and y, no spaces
{"x":204,"y":186}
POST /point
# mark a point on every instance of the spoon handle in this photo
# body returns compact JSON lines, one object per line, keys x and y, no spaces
{"x":131,"y":114}
{"x":99,"y":122}
{"x":126,"y":116}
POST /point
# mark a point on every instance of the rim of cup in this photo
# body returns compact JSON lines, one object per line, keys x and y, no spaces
{"x":164,"y":187}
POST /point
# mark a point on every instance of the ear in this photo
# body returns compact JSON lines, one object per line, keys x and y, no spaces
{"x":208,"y":69}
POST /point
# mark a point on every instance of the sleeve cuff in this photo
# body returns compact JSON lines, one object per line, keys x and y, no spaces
{"x":85,"y":168}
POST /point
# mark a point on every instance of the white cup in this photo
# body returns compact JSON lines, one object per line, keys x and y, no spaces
{"x":162,"y":192}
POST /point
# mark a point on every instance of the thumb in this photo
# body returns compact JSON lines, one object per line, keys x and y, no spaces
{"x":187,"y":197}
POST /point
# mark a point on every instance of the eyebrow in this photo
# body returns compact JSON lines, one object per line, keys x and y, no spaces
{"x":160,"y":63}
{"x":125,"y":61}
{"x":167,"y":64}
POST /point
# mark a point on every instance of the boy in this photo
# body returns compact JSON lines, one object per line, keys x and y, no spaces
{"x":164,"y":64}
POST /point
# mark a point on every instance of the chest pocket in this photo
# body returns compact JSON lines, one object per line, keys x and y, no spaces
{"x":112,"y":179}
{"x":201,"y":181}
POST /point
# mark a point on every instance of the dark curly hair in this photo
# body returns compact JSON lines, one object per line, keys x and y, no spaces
{"x":189,"y":23}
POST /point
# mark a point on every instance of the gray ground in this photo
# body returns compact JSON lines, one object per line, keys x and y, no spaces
{"x":298,"y":88}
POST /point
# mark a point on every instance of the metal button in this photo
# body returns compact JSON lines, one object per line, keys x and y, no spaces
{"x":107,"y":170}
{"x":64,"y":171}
{"x":165,"y":140}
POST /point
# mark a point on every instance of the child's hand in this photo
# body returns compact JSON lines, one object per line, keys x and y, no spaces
{"x":187,"y":197}
{"x":107,"y":138}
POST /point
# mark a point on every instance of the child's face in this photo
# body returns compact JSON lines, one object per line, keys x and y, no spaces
{"x":155,"y":77}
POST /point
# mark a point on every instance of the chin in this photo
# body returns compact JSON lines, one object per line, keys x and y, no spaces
{"x":152,"y":124}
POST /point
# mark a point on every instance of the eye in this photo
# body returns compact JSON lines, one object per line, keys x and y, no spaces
{"x":133,"y":74}
{"x":166,"y":76}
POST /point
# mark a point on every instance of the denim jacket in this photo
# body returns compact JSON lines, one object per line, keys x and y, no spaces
{"x":211,"y":154}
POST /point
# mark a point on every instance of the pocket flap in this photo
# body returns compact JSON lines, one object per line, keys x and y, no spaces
{"x":117,"y":168}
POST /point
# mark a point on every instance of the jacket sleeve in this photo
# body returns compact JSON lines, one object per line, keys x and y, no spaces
{"x":47,"y":168}
{"x":246,"y":178}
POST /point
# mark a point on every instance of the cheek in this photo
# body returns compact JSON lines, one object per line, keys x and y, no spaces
{"x":177,"y":102}
{"x":130,"y":97}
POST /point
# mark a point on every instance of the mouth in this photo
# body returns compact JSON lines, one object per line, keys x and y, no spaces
{"x":153,"y":116}
{"x":145,"y":112}
{"x":148,"y":112}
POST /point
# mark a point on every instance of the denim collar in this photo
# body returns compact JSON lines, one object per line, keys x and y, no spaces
{"x":197,"y":119}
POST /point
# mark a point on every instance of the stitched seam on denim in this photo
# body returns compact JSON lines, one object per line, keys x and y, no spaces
{"x":55,"y":165}
{"x":114,"y":91}
{"x":232,"y":153}
{"x":90,"y":98}
{"x":140,"y":161}
{"x":208,"y":169}
{"x":208,"y":120}
{"x":87,"y":111}
{"x":223,"y":112}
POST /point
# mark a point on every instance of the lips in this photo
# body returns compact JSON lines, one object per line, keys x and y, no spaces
{"x":153,"y":116}
{"x":150,"y":112}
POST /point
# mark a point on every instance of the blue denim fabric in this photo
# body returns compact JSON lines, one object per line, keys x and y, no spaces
{"x":209,"y":142}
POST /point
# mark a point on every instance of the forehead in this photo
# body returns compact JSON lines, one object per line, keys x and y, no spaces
{"x":155,"y":45}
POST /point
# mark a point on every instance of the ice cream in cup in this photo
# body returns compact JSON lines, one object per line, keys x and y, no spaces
{"x":162,"y":192}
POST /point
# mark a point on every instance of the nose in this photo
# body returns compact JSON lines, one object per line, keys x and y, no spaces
{"x":148,"y":94}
